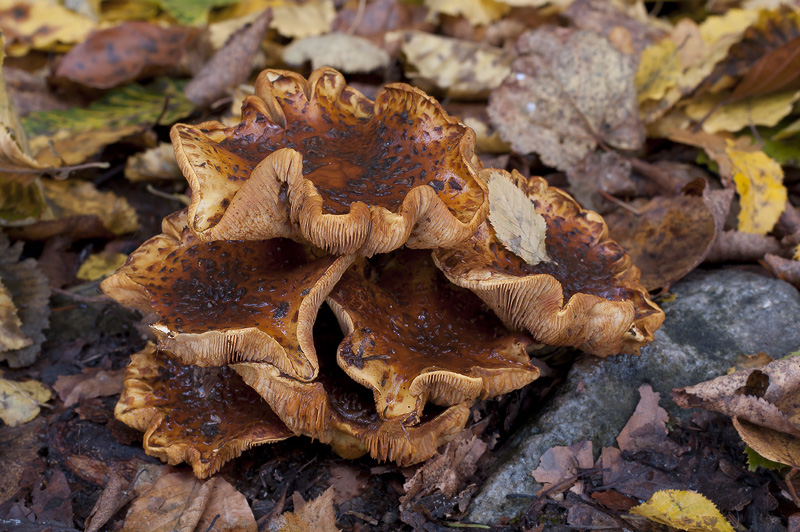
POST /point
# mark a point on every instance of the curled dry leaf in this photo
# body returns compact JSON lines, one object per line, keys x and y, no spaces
{"x":92,"y":382}
{"x":762,"y":402}
{"x":718,"y":114}
{"x":229,"y":66}
{"x":29,"y":291}
{"x":312,"y":516}
{"x":736,"y":246}
{"x":346,"y":53}
{"x":463,"y":69}
{"x":152,"y":164}
{"x":181,"y":503}
{"x":126,"y":52}
{"x":568,"y":90}
{"x":785,"y":269}
{"x":561,"y":463}
{"x":20,"y":401}
{"x":669,"y":237}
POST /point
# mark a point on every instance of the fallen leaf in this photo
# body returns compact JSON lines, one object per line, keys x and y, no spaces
{"x":303,"y":18}
{"x":92,"y":382}
{"x":762,"y":111}
{"x":191,"y":12}
{"x":30,"y":293}
{"x":659,"y":70}
{"x":15,"y":152}
{"x":670,"y":236}
{"x":11,"y":335}
{"x":647,"y":427}
{"x":784,"y":269}
{"x":562,"y":463}
{"x":759,"y":183}
{"x":21,"y":402}
{"x":51,"y":500}
{"x":515,"y":221}
{"x":100,"y":265}
{"x":126,"y":52}
{"x":463,"y":69}
{"x":229,"y":66}
{"x":755,"y":460}
{"x":153,"y":164}
{"x":568,"y":90}
{"x":69,"y":137}
{"x":477,"y":12}
{"x":71,"y":198}
{"x":20,"y":447}
{"x":600,"y":172}
{"x":607,"y":18}
{"x":115,"y":494}
{"x":179,"y":502}
{"x":736,"y":246}
{"x":346,"y":53}
{"x":685,"y":510}
{"x":348,"y":482}
{"x":312,"y":516}
{"x":40,"y":25}
{"x":22,"y":204}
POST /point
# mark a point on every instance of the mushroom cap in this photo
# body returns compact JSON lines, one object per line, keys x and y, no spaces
{"x":357,"y":176}
{"x":588,"y":297}
{"x":202,"y":416}
{"x":413,"y":337}
{"x":226,"y":301}
{"x":339,"y":411}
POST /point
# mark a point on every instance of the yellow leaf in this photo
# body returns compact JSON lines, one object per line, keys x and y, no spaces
{"x":99,"y":265}
{"x":659,"y":70}
{"x":759,"y":183}
{"x":41,"y":25}
{"x":796,"y":255}
{"x":477,"y":12}
{"x":11,"y":335}
{"x":684,"y":510}
{"x":464,"y":69}
{"x":515,"y":221}
{"x":303,"y":19}
{"x":69,"y":198}
{"x":763,"y":111}
{"x":20,"y":401}
{"x":312,"y":516}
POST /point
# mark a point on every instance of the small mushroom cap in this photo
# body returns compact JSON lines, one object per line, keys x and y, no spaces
{"x":339,"y":411}
{"x":226,"y":301}
{"x":588,"y":297}
{"x":413,"y":337}
{"x":357,"y":176}
{"x":201,"y":416}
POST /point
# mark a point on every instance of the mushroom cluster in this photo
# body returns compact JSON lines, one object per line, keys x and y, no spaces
{"x":377,"y":208}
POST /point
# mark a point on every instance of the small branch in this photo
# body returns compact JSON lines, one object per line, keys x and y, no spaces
{"x":54,"y":169}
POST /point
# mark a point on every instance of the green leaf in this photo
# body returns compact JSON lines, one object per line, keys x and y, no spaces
{"x":71,"y":136}
{"x":192,"y":12}
{"x":755,"y":460}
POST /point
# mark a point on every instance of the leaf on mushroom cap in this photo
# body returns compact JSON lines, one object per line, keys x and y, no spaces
{"x":226,"y":301}
{"x":412,"y":337}
{"x":337,"y":410}
{"x":588,"y":297}
{"x":202,"y":416}
{"x":357,"y":176}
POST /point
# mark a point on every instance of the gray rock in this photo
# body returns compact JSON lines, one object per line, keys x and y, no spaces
{"x":714,"y":317}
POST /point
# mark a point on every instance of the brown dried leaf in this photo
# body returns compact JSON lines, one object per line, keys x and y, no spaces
{"x":30,"y":293}
{"x":19,"y":447}
{"x":647,"y":427}
{"x":115,"y":494}
{"x":669,"y":237}
{"x":93,"y":382}
{"x":785,"y":269}
{"x":179,"y":502}
{"x":762,"y":402}
{"x":605,"y":18}
{"x":515,"y":221}
{"x":229,"y":66}
{"x":568,"y":90}
{"x":51,"y":500}
{"x":312,"y":516}
{"x":600,"y":172}
{"x":563,"y":463}
{"x":129,"y":51}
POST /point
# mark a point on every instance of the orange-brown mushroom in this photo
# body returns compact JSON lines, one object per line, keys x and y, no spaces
{"x":226,"y":301}
{"x":202,"y":416}
{"x":357,"y":176}
{"x":337,"y":410}
{"x":413,"y":337}
{"x":589,"y":296}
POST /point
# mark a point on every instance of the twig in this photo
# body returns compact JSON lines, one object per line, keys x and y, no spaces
{"x":362,"y":4}
{"x":55,"y":169}
{"x":619,"y":202}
